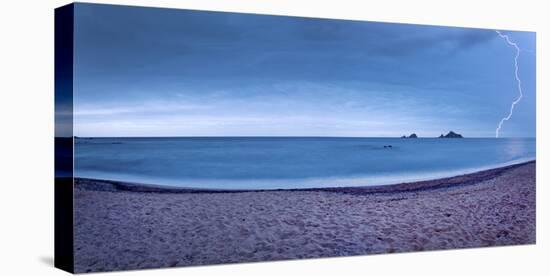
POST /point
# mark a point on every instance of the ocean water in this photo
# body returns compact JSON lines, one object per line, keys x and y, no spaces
{"x":290,"y":162}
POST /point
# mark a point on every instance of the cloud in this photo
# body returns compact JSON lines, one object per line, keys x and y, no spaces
{"x":162,"y":71}
{"x":141,"y":108}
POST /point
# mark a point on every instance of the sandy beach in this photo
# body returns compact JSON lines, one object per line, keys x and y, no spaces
{"x":130,"y":226}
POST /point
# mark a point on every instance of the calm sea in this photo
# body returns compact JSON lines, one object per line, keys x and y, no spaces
{"x":290,"y":162}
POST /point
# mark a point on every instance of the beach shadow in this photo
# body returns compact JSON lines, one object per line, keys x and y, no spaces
{"x":47,"y":260}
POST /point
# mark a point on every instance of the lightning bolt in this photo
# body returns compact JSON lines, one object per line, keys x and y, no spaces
{"x":513,"y":44}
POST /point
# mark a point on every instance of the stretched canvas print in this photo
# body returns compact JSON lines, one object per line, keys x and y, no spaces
{"x":189,"y":137}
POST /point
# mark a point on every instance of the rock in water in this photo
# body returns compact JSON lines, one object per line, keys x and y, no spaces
{"x":410,"y":136}
{"x":451,"y":134}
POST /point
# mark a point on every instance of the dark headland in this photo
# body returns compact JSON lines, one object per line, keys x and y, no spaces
{"x":451,"y":134}
{"x":410,"y":136}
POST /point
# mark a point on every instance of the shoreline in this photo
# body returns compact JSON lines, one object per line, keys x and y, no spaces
{"x":462,"y":179}
{"x":127,"y":226}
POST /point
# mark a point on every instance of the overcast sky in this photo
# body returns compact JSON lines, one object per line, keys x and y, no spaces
{"x":165,"y":72}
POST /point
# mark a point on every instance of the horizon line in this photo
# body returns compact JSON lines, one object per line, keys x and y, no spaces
{"x":291,"y":136}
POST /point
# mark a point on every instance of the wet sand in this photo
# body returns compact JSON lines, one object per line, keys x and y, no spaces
{"x":132,"y":226}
